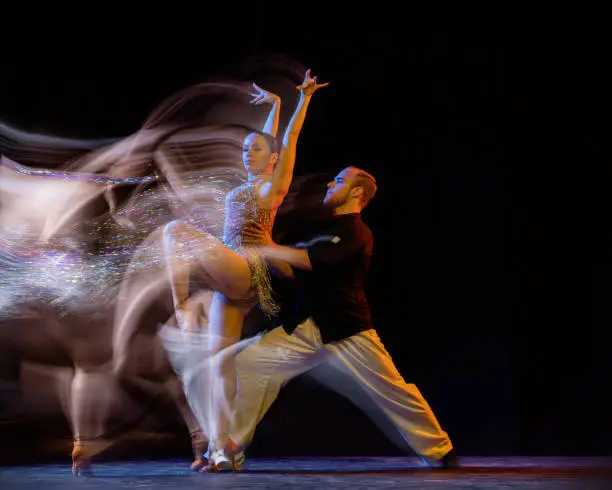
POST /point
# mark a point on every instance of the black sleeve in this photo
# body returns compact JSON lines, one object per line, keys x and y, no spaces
{"x":331,"y":250}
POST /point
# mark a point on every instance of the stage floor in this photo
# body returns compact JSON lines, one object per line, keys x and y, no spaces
{"x":326,"y":473}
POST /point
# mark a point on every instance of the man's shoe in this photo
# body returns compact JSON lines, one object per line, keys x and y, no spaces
{"x":450,"y":460}
{"x":447,"y":462}
{"x":223,"y":459}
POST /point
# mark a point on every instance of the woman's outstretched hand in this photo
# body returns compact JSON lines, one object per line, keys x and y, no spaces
{"x":309,"y":85}
{"x":261,"y":96}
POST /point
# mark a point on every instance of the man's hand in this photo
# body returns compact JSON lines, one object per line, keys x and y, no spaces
{"x":256,"y":234}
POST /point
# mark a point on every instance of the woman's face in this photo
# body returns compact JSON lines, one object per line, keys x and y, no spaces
{"x":256,"y":154}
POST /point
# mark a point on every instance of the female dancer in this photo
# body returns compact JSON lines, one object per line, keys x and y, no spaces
{"x":238,"y":276}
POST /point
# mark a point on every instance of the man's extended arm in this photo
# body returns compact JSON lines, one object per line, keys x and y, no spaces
{"x":295,"y":257}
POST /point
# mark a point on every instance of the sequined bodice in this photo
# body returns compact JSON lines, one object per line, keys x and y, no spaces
{"x":241,"y":210}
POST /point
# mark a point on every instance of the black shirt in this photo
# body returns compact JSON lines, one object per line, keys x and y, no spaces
{"x":333,"y":293}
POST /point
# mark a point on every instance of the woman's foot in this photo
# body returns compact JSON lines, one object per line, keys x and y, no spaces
{"x":199,"y":443}
{"x":81,"y":460}
{"x":198,"y":464}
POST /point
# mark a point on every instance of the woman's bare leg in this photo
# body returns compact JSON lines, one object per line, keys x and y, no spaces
{"x":227,"y":271}
{"x":229,"y":275}
{"x":199,"y":436}
{"x":177,"y":261}
{"x":89,"y":407}
{"x":225,"y":327}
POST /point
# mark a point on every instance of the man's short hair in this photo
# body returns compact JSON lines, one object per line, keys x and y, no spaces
{"x":367,"y":182}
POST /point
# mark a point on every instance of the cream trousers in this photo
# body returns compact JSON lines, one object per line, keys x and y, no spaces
{"x":357,"y":367}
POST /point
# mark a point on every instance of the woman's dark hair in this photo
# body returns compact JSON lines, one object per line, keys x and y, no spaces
{"x":272,"y":141}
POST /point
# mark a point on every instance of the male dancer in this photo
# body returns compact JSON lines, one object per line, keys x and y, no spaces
{"x":332,"y":326}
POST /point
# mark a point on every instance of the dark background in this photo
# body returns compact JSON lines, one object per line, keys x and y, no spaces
{"x":492,"y":275}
